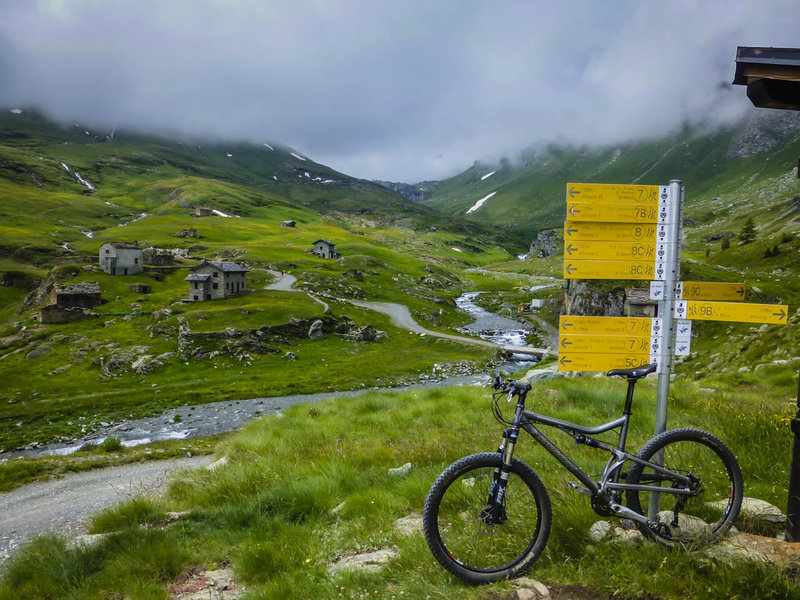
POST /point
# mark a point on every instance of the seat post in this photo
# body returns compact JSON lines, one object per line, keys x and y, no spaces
{"x":629,"y":396}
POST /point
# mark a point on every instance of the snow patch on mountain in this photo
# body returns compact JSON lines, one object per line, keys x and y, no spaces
{"x":270,"y":147}
{"x":480,"y":202}
{"x":488,"y":175}
{"x":16,"y":111}
{"x":297,"y":156}
{"x":219,"y":213}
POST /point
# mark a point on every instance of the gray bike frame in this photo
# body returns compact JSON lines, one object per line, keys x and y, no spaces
{"x":609,"y":480}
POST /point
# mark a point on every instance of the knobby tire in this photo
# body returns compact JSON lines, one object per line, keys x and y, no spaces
{"x":457,"y":530}
{"x":703,"y":517}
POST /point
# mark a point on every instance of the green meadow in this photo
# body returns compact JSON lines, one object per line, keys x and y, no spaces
{"x":308,"y":487}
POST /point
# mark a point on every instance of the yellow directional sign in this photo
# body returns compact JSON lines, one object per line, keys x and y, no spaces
{"x":617,"y":213}
{"x":707,"y":290}
{"x":613,"y":193}
{"x":612,"y":232}
{"x":577,"y":361}
{"x":611,"y":269}
{"x":732,"y":311}
{"x":615,"y":250}
{"x":607,"y":344}
{"x":624,"y":326}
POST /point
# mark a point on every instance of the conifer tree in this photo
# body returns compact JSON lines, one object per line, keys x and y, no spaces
{"x":748,"y":233}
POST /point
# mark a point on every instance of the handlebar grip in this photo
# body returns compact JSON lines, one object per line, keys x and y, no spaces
{"x":520,"y":386}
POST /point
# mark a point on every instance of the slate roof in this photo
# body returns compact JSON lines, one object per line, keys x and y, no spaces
{"x":325,"y":241}
{"x":78,"y":288}
{"x":228,"y":267}
{"x":197,"y":277}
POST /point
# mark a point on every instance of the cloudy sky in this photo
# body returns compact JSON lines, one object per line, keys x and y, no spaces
{"x":387,"y":89}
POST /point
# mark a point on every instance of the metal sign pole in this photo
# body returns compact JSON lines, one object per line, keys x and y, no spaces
{"x":667,"y":306}
{"x":667,"y":313}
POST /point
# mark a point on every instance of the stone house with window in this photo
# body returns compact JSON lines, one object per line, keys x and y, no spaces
{"x":121,"y":258}
{"x":213,"y":280}
{"x":325,"y":249}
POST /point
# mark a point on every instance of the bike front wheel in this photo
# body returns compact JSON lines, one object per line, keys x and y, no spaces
{"x":715,"y":486}
{"x":466,"y":539}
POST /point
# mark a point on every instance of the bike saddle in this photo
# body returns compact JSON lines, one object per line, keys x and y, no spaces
{"x":634,"y":374}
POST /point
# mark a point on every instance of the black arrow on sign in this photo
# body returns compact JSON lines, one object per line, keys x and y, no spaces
{"x":565,"y":343}
{"x":573,"y":192}
{"x":740,"y":291}
{"x":573,"y":211}
{"x":570,"y":231}
{"x":570,"y":249}
{"x":566,"y":324}
{"x":569,"y":269}
{"x":564,"y":361}
{"x":781,"y":314}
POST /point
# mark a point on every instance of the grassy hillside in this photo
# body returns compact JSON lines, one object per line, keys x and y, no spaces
{"x":723,"y":171}
{"x":66,"y":191}
{"x":302,"y":491}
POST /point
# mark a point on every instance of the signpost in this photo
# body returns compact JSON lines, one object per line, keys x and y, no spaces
{"x":618,"y":213}
{"x":634,"y":232}
{"x":776,"y":314}
{"x":611,"y":192}
{"x":576,"y":361}
{"x":707,"y":290}
{"x":607,"y":344}
{"x":614,"y":232}
{"x":613,"y":269}
{"x":615,"y":250}
{"x":577,"y":325}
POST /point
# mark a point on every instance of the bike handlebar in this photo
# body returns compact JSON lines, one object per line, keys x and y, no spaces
{"x":510,"y":385}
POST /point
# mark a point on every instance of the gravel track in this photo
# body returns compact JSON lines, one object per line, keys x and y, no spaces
{"x":64,"y":505}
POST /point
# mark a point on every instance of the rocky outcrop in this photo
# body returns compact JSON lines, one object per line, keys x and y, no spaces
{"x":405,"y":190}
{"x":593,"y":298}
{"x":765,"y":130}
{"x":547,"y":243}
{"x":158,"y":256}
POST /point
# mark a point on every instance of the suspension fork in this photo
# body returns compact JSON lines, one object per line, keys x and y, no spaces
{"x":496,"y":511}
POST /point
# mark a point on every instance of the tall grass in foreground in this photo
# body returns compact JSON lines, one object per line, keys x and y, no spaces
{"x":306,"y":488}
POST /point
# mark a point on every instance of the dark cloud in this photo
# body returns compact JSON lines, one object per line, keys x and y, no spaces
{"x":388,"y":90}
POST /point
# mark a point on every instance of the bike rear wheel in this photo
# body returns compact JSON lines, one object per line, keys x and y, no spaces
{"x":716,"y":484}
{"x":466,"y":540}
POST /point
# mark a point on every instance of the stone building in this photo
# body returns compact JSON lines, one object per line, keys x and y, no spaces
{"x":325,"y":249}
{"x":213,"y":280}
{"x":76,"y":295}
{"x":638,"y":303}
{"x":121,"y":258}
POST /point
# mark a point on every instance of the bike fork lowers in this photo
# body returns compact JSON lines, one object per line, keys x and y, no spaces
{"x":494,"y":513}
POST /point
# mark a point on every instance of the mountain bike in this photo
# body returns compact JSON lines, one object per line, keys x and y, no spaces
{"x":488,"y":515}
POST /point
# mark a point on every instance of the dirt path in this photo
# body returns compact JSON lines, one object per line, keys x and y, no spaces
{"x":64,"y":505}
{"x":284,"y":283}
{"x":401,"y":317}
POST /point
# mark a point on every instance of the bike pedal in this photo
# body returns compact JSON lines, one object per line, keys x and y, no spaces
{"x":579,"y":489}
